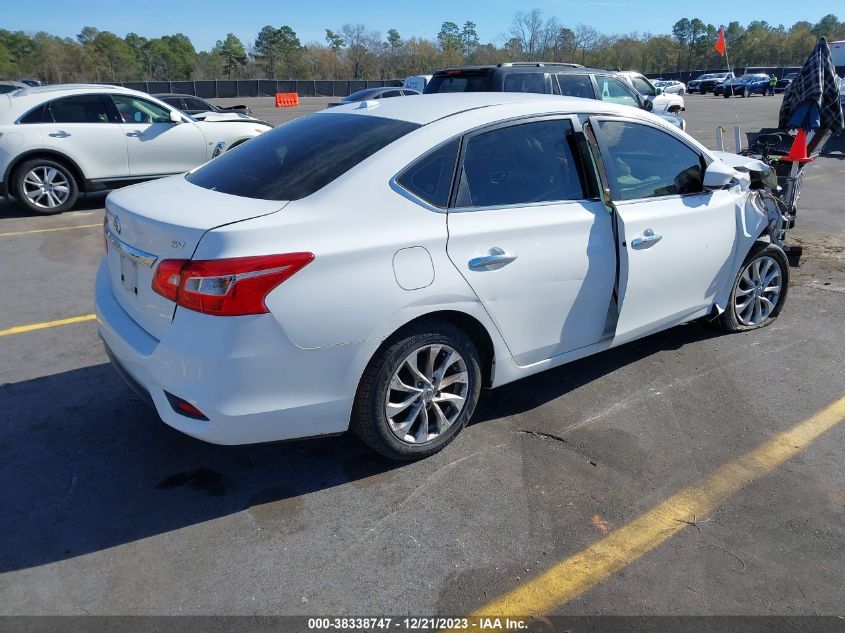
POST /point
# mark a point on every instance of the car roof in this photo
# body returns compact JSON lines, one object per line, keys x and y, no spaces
{"x":373,"y":91}
{"x":16,"y":103}
{"x":427,"y":108}
{"x":159,"y":95}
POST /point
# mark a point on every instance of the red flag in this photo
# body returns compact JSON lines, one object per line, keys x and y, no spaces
{"x":720,"y":42}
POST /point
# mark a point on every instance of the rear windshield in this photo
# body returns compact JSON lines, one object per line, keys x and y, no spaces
{"x":462,"y":82}
{"x":298,"y":158}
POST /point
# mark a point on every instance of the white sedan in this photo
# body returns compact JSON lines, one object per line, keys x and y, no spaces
{"x":376,"y":264}
{"x":59,"y":141}
{"x":670,"y":86}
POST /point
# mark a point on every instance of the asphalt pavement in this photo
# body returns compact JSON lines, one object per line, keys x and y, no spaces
{"x":106,"y":510}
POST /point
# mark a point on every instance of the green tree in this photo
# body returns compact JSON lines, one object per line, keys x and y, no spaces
{"x":469,"y":38}
{"x":231,"y":51}
{"x":394,"y":40}
{"x":449,"y":37}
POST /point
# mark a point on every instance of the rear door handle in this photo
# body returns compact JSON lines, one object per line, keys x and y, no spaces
{"x":647,"y":238}
{"x":59,"y":134}
{"x":495,"y":257}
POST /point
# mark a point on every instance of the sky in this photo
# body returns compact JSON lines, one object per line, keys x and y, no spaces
{"x":206,"y":21}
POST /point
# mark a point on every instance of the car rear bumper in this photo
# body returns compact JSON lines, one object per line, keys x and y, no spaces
{"x":243,"y":373}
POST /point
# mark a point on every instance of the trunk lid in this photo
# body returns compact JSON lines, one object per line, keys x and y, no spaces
{"x":164,"y":219}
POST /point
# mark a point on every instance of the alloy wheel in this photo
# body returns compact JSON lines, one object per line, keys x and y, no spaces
{"x":427,"y":393}
{"x":46,"y":187}
{"x":758,"y":291}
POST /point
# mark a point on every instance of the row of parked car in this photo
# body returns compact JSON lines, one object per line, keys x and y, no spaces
{"x":727,"y":84}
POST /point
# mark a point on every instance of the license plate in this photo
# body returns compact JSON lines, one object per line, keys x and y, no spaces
{"x":129,"y":274}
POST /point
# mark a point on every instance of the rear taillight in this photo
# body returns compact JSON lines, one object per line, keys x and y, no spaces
{"x":226,"y":287}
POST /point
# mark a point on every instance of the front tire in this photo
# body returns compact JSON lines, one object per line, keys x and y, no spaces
{"x":418,"y":391}
{"x":759,"y":290}
{"x":45,"y":186}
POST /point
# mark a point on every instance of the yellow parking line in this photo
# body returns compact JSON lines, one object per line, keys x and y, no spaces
{"x":20,"y":329}
{"x":61,"y":228}
{"x":584,"y":570}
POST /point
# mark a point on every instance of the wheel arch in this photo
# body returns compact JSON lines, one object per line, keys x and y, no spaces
{"x":470,"y":325}
{"x":43,"y":153}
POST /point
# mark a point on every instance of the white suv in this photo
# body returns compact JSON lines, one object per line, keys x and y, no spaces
{"x":661,"y":100}
{"x":59,"y":141}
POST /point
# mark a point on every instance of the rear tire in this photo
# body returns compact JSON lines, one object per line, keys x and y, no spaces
{"x":754,"y":302}
{"x":429,"y":406}
{"x":746,"y":92}
{"x":45,"y":186}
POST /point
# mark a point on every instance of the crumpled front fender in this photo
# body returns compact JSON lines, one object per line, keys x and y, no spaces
{"x":754,"y":222}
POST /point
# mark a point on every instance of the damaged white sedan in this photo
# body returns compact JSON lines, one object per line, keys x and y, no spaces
{"x":374,"y":265}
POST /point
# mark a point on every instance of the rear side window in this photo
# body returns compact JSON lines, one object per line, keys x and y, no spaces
{"x":459,"y":83}
{"x":80,"y":109}
{"x":576,"y":86}
{"x":520,"y":164}
{"x":298,"y":158}
{"x":192,"y":103}
{"x":645,"y":162}
{"x":525,"y":82}
{"x":430,"y":178}
{"x":38,"y":115}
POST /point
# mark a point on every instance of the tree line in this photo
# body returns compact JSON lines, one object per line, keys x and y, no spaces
{"x":354,"y":51}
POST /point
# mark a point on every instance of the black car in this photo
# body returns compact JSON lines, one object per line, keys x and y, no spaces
{"x":568,"y":80}
{"x":374,"y":93}
{"x":784,"y":83}
{"x":708,"y":82}
{"x":745,"y":86}
{"x":194,"y":105}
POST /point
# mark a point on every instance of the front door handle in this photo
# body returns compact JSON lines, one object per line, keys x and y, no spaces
{"x":646,"y":239}
{"x":495,"y":257}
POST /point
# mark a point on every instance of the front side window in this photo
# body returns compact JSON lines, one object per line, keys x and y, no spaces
{"x":642,"y":86}
{"x":79,"y":109}
{"x":135,"y":110}
{"x":391,"y":93}
{"x":430,"y":178}
{"x":520,"y":164}
{"x":645,"y":162}
{"x":576,"y":86}
{"x":525,"y":82}
{"x":613,"y":90}
{"x":298,"y":158}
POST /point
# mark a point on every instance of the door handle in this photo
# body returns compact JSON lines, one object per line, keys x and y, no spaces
{"x":647,"y":238}
{"x":494,"y":257}
{"x":59,"y":134}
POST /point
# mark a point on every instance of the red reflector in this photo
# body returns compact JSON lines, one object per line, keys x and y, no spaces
{"x":454,"y":72}
{"x":167,"y":277}
{"x":185,"y":408}
{"x":226,"y":287}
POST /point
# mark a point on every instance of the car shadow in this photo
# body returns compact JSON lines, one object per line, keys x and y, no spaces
{"x":535,"y":391}
{"x":87,"y":202}
{"x":87,"y":466}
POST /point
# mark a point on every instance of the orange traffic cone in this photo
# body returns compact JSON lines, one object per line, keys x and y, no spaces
{"x":798,"y":151}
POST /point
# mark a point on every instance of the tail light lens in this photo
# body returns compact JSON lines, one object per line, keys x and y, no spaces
{"x":226,"y":287}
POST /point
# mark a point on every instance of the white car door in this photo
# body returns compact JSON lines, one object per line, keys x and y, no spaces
{"x":530,"y":238}
{"x":82,"y":128}
{"x":676,"y":240}
{"x":157,"y":146}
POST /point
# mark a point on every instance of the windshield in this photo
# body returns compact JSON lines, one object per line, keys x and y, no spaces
{"x":298,"y":158}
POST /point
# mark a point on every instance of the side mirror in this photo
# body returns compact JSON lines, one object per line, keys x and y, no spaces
{"x":175,"y":117}
{"x":718,"y":175}
{"x":658,"y":91}
{"x":648,"y":105}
